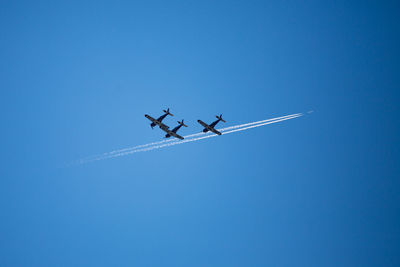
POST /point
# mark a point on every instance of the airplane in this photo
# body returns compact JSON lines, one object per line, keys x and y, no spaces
{"x":212,"y":125}
{"x":173,"y":132}
{"x":158,"y":121}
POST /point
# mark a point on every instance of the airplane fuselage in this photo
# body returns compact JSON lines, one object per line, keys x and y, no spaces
{"x":160,"y":119}
{"x":209,"y":127}
{"x":212,"y":125}
{"x":173,"y":130}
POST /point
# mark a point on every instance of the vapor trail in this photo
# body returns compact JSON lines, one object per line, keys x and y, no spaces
{"x":207,"y":136}
{"x":189,"y":138}
{"x":109,"y":154}
{"x":257,"y":122}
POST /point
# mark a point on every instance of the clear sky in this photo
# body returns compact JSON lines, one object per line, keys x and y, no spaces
{"x":76,"y":78}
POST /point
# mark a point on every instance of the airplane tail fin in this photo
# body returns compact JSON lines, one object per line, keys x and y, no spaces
{"x":181,"y":123}
{"x":167,"y":112}
{"x":220,"y":118}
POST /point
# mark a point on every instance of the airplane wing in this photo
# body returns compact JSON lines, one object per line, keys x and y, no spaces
{"x":215,"y":131}
{"x":151,"y":118}
{"x":163,"y":126}
{"x":205,"y":125}
{"x":208,"y":127}
{"x":175,"y":135}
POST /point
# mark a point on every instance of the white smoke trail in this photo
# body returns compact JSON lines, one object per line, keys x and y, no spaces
{"x":257,"y":122}
{"x":207,"y":136}
{"x":109,"y":154}
{"x":105,"y":155}
{"x":214,"y":135}
{"x":187,"y":139}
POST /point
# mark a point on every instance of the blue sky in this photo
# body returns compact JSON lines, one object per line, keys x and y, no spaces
{"x":321,"y":190}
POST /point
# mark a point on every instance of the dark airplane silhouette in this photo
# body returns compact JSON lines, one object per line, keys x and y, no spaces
{"x":212,"y":125}
{"x":158,"y":121}
{"x":173,"y":132}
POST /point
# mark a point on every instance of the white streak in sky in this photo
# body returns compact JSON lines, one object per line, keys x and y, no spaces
{"x":204,"y":137}
{"x":119,"y":151}
{"x":188,"y":138}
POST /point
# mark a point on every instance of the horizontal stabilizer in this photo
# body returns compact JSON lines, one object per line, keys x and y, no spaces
{"x":181,"y":123}
{"x":220,"y":118}
{"x":167,"y":112}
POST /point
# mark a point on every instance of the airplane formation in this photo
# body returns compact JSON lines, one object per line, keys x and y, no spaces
{"x":173,"y":132}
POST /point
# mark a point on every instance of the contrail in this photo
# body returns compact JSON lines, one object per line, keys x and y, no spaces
{"x":188,"y":138}
{"x":204,"y":137}
{"x":257,"y":122}
{"x":109,"y":154}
